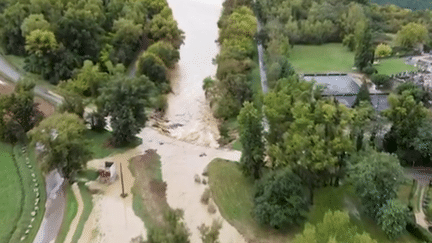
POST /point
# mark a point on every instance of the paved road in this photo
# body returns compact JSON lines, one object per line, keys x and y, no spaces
{"x":7,"y":70}
{"x":55,"y":207}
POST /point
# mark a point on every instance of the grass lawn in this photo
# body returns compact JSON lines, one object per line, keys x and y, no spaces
{"x":393,"y":65}
{"x":71,"y":210}
{"x":98,"y":144}
{"x":88,"y":207}
{"x":28,"y":204}
{"x":233,"y":194}
{"x":149,"y":205}
{"x":322,"y":58}
{"x":11,"y":194}
{"x":237,"y":145}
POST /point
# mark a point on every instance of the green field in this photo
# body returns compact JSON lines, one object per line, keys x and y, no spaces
{"x":11,"y":193}
{"x":393,"y":65}
{"x":331,"y":57}
{"x":98,"y":144}
{"x":18,"y":196}
{"x":233,"y":194}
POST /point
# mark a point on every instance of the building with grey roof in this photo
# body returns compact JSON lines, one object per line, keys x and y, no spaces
{"x":345,"y":90}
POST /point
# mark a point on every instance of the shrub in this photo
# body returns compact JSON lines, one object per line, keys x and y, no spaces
{"x":280,"y":199}
{"x":393,"y":217}
{"x":211,"y":208}
{"x":383,"y":50}
{"x":380,"y":79}
{"x":210,"y":234}
{"x":369,"y":70}
{"x":205,"y":197}
{"x":175,"y":231}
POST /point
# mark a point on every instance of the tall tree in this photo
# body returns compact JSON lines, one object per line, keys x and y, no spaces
{"x":62,"y":136}
{"x":376,"y":178}
{"x":280,"y":199}
{"x":364,"y":54}
{"x":252,"y":158}
{"x":124,"y":99}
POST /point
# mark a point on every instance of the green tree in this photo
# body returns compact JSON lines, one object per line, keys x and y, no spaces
{"x":34,"y":22}
{"x":80,"y":28}
{"x":166,"y":52}
{"x":152,"y":66}
{"x":41,"y":42}
{"x":164,"y":27}
{"x":124,"y":99}
{"x":412,"y":34}
{"x":62,"y":136}
{"x":11,"y":19}
{"x":376,"y":178}
{"x":393,"y":217}
{"x":383,"y":50}
{"x":126,"y":38}
{"x":280,"y":200}
{"x":364,"y":54}
{"x":335,"y":227}
{"x":252,"y":158}
{"x":363,"y":95}
{"x":407,"y":115}
{"x":87,"y":81}
{"x":241,"y":23}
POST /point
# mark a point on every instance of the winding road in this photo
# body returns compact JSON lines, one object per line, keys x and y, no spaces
{"x":9,"y":73}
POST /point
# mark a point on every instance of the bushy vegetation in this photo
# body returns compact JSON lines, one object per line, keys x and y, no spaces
{"x":380,"y":79}
{"x":280,"y":200}
{"x":57,"y":37}
{"x":335,"y":227}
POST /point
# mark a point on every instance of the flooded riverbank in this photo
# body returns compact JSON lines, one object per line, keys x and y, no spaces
{"x":187,"y":105}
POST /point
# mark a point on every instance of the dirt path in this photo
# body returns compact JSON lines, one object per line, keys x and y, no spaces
{"x":420,"y":216}
{"x":112,"y":219}
{"x":75,"y":221}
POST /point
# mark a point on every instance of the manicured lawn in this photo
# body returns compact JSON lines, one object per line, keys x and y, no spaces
{"x":233,"y":194}
{"x":88,"y":207}
{"x":11,"y":194}
{"x":29,"y":183}
{"x":331,"y":57}
{"x":98,"y":144}
{"x":70,"y":213}
{"x":393,"y":65}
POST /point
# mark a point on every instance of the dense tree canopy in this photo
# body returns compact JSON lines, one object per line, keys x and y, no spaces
{"x":56,"y":37}
{"x":252,"y":159}
{"x":124,"y":100}
{"x":280,"y":200}
{"x":376,"y":178}
{"x":62,"y":136}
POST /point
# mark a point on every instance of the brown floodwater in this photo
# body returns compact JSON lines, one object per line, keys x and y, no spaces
{"x":187,"y":105}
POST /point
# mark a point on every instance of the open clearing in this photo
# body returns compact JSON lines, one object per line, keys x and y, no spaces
{"x":393,"y":66}
{"x":233,"y":194}
{"x":333,"y":57}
